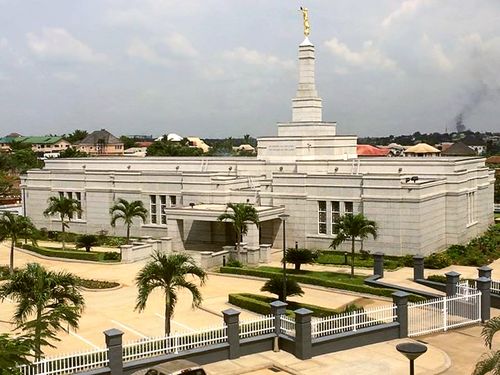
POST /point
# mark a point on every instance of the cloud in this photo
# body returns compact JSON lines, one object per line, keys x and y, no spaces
{"x":140,"y":50}
{"x":436,"y":54}
{"x":3,"y":43}
{"x":65,"y":76}
{"x":180,"y":45}
{"x":406,"y":8}
{"x":58,"y":45}
{"x":368,"y":58}
{"x":253,"y":57}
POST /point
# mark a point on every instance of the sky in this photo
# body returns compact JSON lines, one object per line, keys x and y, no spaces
{"x":219,"y":68}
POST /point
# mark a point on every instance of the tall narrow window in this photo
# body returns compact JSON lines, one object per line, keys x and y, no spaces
{"x":348,"y":208}
{"x":322,"y":217}
{"x":163,"y":207}
{"x":173,"y":200}
{"x":335,"y":214}
{"x":78,"y":197}
{"x":471,"y":217}
{"x":152,"y":209}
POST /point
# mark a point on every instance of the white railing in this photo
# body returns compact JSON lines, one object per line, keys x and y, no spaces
{"x":287,"y":325}
{"x":443,"y":313}
{"x":67,"y":364}
{"x":174,"y":343}
{"x":352,"y":321}
{"x":256,"y":327}
{"x":495,"y":286}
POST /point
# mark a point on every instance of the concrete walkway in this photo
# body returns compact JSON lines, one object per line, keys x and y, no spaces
{"x":381,"y":358}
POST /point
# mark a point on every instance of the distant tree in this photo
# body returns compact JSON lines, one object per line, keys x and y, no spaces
{"x":7,"y":187}
{"x":45,"y":300}
{"x":127,"y":211}
{"x":128,"y":142}
{"x":240,"y":214}
{"x":76,"y":136}
{"x":14,"y":351}
{"x":14,"y":227}
{"x":72,"y":152}
{"x":350,"y":227}
{"x":23,"y":159}
{"x":275,"y":286}
{"x":171,"y":148}
{"x":65,"y":208}
{"x":86,"y":241}
{"x":169,"y":273}
{"x":300,"y":256}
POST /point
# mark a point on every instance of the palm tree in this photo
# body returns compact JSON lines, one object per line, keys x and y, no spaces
{"x":489,"y":363}
{"x":14,"y":351}
{"x":351,"y":226}
{"x":168,"y":272}
{"x":127,"y":211}
{"x":14,"y":227}
{"x":45,"y":301}
{"x":66,"y":208}
{"x":241,"y":215}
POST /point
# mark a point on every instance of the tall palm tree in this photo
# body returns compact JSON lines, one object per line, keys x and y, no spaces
{"x":14,"y":351}
{"x":489,"y":363}
{"x":45,"y":301}
{"x":351,"y":226}
{"x":14,"y":227}
{"x":127,"y":211}
{"x":65,"y":208}
{"x":168,"y":272}
{"x":241,"y":215}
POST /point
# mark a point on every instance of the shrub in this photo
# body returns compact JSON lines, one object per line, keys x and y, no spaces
{"x":67,"y":254}
{"x":97,"y":284}
{"x":300,"y":256}
{"x":275,"y":286}
{"x":111,"y":255}
{"x":437,"y":278}
{"x":437,"y":260}
{"x":114,"y":241}
{"x":234,"y":263}
{"x":87,"y":241}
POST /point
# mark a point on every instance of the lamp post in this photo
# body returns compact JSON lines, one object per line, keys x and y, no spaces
{"x":412,"y":351}
{"x":283,"y":218}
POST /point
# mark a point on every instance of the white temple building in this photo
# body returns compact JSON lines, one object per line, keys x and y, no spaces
{"x":422,"y":205}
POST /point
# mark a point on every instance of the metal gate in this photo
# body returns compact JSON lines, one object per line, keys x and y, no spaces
{"x":441,"y":314}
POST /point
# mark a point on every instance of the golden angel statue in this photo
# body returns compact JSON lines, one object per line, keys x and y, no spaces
{"x":305,"y":14}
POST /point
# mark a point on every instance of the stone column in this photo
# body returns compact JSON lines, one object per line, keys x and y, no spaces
{"x":278,"y":308}
{"x":452,"y":279}
{"x":206,"y":257}
{"x":418,"y":267}
{"x":400,"y":299}
{"x":166,"y":244}
{"x":253,"y":255}
{"x":485,"y":271}
{"x":378,"y":264}
{"x":252,"y":236}
{"x":232,"y":320}
{"x":175,"y":231}
{"x":126,"y":253}
{"x":242,"y":256}
{"x":483,"y":284}
{"x":303,"y":337}
{"x":115,"y":351}
{"x":265,"y":253}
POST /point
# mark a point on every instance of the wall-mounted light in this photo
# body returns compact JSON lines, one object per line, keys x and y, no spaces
{"x":336,"y":169}
{"x":281,"y":169}
{"x":177,"y":168}
{"x":400,"y":170}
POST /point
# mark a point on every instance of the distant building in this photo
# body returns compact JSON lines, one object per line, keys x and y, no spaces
{"x":40,"y":145}
{"x":101,"y":143}
{"x":198,"y":143}
{"x":245,"y":147}
{"x":422,"y":150}
{"x":369,"y":150}
{"x":458,"y":149}
{"x":135,"y":151}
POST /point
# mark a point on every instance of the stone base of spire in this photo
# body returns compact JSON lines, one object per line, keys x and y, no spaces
{"x":306,"y":128}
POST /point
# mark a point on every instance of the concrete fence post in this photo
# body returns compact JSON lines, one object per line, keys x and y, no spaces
{"x":115,"y":350}
{"x":278,"y":308}
{"x":483,"y":284}
{"x":232,"y":320}
{"x":418,"y":267}
{"x":452,"y":279}
{"x":400,"y":299}
{"x":303,"y":333}
{"x":378,"y":264}
{"x":484,"y":271}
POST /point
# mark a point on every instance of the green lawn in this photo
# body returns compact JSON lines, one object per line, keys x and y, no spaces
{"x":322,"y":275}
{"x":338,"y":258}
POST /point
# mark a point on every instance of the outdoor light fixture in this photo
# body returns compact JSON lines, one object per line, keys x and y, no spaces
{"x":407,"y":179}
{"x":414,"y":179}
{"x":411,"y":350}
{"x":283,"y":218}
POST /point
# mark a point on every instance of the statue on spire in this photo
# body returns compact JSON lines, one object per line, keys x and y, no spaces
{"x":307,"y":27}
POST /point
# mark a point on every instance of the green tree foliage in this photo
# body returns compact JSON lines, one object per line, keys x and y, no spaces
{"x":240,"y":214}
{"x":14,"y":227}
{"x":87,"y":241}
{"x":76,"y":136}
{"x":65,"y":208}
{"x":169,"y":273}
{"x":7,"y":185}
{"x":14,"y":351}
{"x":221,"y":147}
{"x":127,"y":211}
{"x":489,"y":362}
{"x":72,"y":152}
{"x":350,"y":227}
{"x":128,"y":142}
{"x":300,"y":256}
{"x":46,"y":301}
{"x":275,"y":286}
{"x":170,"y":148}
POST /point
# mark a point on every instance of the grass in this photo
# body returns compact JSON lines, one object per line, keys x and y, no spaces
{"x":322,"y":275}
{"x":94,"y":256}
{"x":360,"y":260}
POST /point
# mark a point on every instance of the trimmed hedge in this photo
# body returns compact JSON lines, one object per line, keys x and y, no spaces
{"x":97,"y":284}
{"x":260,"y":305}
{"x":361,"y":260}
{"x":319,"y":282}
{"x":92,"y":256}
